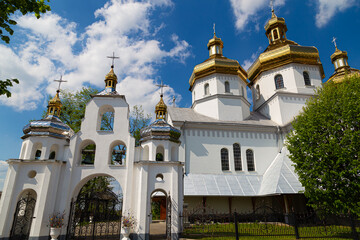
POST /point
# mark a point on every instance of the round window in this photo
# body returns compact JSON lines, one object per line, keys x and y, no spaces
{"x":32,"y":174}
{"x":159,"y":177}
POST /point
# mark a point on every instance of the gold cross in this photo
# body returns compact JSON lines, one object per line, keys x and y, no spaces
{"x":334,"y":41}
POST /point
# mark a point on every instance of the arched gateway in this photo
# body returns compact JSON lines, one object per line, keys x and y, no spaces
{"x":75,"y":179}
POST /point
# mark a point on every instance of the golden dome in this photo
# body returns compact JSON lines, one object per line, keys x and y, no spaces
{"x":342,"y":69}
{"x":54,"y":107}
{"x":111,"y":75}
{"x":161,"y":109}
{"x":217,"y":63}
{"x":282,"y":51}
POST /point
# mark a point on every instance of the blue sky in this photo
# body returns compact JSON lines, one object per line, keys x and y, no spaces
{"x":155,"y":40}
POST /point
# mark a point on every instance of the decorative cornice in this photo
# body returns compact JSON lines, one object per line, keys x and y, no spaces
{"x":210,"y":97}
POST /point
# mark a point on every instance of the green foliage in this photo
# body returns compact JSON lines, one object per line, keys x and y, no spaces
{"x":138,"y":120}
{"x":96,"y":185}
{"x":325,"y":147}
{"x":155,"y":210}
{"x":5,"y":84}
{"x":9,"y":7}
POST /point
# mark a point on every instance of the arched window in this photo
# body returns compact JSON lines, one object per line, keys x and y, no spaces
{"x":306,"y":79}
{"x":37,"y":154}
{"x":206,"y":89}
{"x":88,"y":154}
{"x":227,"y":87}
{"x":224,"y":159}
{"x":107,"y":121}
{"x":257,"y":92}
{"x":275,"y":32}
{"x":52,"y":155}
{"x":159,"y":154}
{"x":118,"y":155}
{"x":279,"y":82}
{"x":250,"y":160}
{"x":237,"y":157}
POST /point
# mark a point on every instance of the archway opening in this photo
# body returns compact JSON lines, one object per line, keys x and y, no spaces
{"x":23,"y":216}
{"x":158,"y":214}
{"x":96,"y":211}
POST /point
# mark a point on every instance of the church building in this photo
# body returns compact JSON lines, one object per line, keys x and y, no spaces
{"x":219,"y":153}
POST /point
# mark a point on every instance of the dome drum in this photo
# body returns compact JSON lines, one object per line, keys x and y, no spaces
{"x":160,"y":130}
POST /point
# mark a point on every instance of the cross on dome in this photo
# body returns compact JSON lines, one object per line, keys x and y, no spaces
{"x":162,"y":86}
{"x":334,"y":41}
{"x":272,"y":5}
{"x":113,"y":59}
{"x":214,"y":28}
{"x":60,"y":81}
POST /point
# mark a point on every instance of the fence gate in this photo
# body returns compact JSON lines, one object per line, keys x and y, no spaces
{"x":97,"y":216}
{"x":23,"y":217}
{"x":168,"y":218}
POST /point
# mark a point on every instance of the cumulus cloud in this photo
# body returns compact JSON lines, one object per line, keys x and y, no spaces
{"x":52,"y":46}
{"x":245,"y":11}
{"x":328,"y":8}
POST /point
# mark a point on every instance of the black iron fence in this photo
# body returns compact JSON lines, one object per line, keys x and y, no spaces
{"x":265,"y":222}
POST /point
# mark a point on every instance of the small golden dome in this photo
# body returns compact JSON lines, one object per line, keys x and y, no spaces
{"x":161,"y":109}
{"x":54,"y":107}
{"x":111,"y":75}
{"x":342,"y":69}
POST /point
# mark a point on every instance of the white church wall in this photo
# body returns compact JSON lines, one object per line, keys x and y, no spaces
{"x":208,"y":107}
{"x":204,"y":146}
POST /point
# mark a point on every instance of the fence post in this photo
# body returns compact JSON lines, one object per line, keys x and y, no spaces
{"x":295,"y":226}
{"x":236,"y":226}
{"x":353,"y":228}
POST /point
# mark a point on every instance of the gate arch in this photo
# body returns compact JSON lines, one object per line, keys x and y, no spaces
{"x":96,"y":211}
{"x":23,"y":215}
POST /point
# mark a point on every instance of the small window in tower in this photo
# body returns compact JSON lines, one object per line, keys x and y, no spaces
{"x":159,"y":154}
{"x":336,"y":64}
{"x":206,"y":89}
{"x":306,"y":79}
{"x":224,"y":159}
{"x":52,"y":155}
{"x":237,"y":157}
{"x":37,"y":154}
{"x":217,"y":50}
{"x":227,"y":87}
{"x":276,"y":35}
{"x":88,"y":154}
{"x":257,"y":92}
{"x":118,"y":155}
{"x":341,"y":62}
{"x":279,"y":82}
{"x":250,"y":160}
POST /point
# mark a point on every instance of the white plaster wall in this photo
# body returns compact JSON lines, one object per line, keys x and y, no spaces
{"x":293,"y":81}
{"x":208,"y":108}
{"x":203,"y":148}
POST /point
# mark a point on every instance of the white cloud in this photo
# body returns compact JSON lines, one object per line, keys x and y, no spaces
{"x":328,"y":8}
{"x":245,"y":11}
{"x":3,"y":170}
{"x":53,"y":46}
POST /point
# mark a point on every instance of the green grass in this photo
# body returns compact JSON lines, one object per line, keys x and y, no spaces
{"x":264,"y":231}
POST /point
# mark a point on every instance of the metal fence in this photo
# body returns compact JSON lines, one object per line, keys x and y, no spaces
{"x":265,"y":222}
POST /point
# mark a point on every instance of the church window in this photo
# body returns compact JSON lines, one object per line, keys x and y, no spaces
{"x":159,"y":154}
{"x":336,"y":64}
{"x":237,"y":157}
{"x":341,"y":62}
{"x":306,"y":79}
{"x":279,"y":82}
{"x":227,"y":87}
{"x":37,"y":154}
{"x":276,"y":35}
{"x":250,"y":160}
{"x":206,"y":89}
{"x":118,"y":155}
{"x":224,"y":159}
{"x":257,"y":92}
{"x":88,"y":154}
{"x":52,"y":155}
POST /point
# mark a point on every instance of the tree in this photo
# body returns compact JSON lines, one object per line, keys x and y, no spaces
{"x":9,"y":7}
{"x":138,"y":120}
{"x":325,"y":147}
{"x":5,"y":84}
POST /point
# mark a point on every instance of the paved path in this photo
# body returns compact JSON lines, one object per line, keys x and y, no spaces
{"x":158,"y":230}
